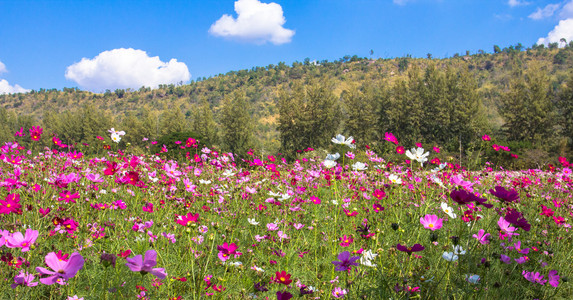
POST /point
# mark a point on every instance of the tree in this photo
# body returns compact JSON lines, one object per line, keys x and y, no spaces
{"x":309,"y":116}
{"x":236,"y":123}
{"x":565,"y":108}
{"x":496,"y":49}
{"x":203,"y":122}
{"x":526,"y":107}
{"x":360,"y":114}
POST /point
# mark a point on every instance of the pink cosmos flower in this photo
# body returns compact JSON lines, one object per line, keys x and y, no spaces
{"x":431,"y":222}
{"x":17,"y":240}
{"x":388,"y":136}
{"x":346,"y":241}
{"x":534,"y":277}
{"x":187,"y":219}
{"x":144,"y":266}
{"x":553,"y":278}
{"x":505,"y":230}
{"x":62,"y":269}
{"x":482,"y":237}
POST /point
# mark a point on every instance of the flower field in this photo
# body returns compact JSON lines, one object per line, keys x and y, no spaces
{"x":355,"y":226}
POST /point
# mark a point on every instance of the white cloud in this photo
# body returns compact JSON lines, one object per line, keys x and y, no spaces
{"x":563,"y":30}
{"x":546,"y":12}
{"x":567,"y":11}
{"x":6,"y":88}
{"x":2,"y":68}
{"x":514,"y":3}
{"x":256,"y":22}
{"x":126,"y":68}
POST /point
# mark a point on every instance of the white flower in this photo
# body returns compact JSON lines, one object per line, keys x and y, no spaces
{"x":283,"y":197}
{"x":472,"y":278}
{"x":258,"y":269}
{"x":228,"y":173}
{"x":334,"y":202}
{"x":112,"y":132}
{"x":448,"y":210}
{"x":115,"y":137}
{"x":395,"y":179}
{"x":367,"y":257}
{"x":418,"y":155}
{"x":333,"y":156}
{"x":450,"y":256}
{"x":459,"y":250}
{"x":204,"y":181}
{"x":440,"y":167}
{"x":252,"y":221}
{"x":339,"y":139}
{"x":359,"y":166}
{"x":329,"y":164}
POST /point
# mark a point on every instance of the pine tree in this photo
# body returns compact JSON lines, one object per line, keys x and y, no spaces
{"x":203,"y":122}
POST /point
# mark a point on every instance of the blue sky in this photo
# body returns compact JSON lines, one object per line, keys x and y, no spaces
{"x":134,"y":43}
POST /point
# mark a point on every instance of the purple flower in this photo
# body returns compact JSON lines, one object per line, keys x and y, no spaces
{"x":409,"y":250}
{"x":504,"y":195}
{"x":506,"y":259}
{"x":516,"y":218}
{"x":517,"y":247}
{"x":144,"y":266}
{"x":283,"y":295}
{"x":461,"y":197}
{"x":553,"y":278}
{"x":25,"y":278}
{"x":62,"y":269}
{"x":346,"y":262}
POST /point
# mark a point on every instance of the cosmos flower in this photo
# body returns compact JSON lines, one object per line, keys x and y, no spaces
{"x":144,"y":266}
{"x":62,"y":270}
{"x":448,"y":210}
{"x":431,"y":222}
{"x":345,"y":262}
{"x":418,"y":155}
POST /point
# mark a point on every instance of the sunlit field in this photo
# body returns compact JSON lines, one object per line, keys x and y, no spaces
{"x":348,"y":224}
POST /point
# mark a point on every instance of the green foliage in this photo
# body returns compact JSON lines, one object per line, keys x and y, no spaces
{"x":203,"y":122}
{"x":309,"y":117}
{"x":236,"y":124}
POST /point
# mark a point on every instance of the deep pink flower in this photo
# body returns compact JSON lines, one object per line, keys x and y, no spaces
{"x":388,"y":136}
{"x":61,"y":269}
{"x":545,"y":211}
{"x":186,"y":220}
{"x":379,"y":194}
{"x":11,"y":205}
{"x":36,"y":133}
{"x":431,"y":222}
{"x":144,"y":266}
{"x":226,"y":250}
{"x":504,"y":195}
{"x":346,"y":240}
{"x":17,"y":240}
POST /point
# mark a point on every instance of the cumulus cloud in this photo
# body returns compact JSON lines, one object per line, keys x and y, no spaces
{"x":6,"y":88}
{"x":126,"y":68}
{"x":256,"y":22}
{"x":546,"y":12}
{"x":514,"y":3}
{"x":563,"y":30}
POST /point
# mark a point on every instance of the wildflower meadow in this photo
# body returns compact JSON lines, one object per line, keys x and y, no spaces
{"x":347,"y":224}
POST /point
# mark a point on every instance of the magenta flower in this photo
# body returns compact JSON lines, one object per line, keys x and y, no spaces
{"x":26,"y":279}
{"x":226,"y":250}
{"x":534,"y":277}
{"x":553,"y":278}
{"x":62,"y":269}
{"x":17,"y":240}
{"x":144,"y":266}
{"x":482,"y":237}
{"x":505,"y":259}
{"x":431,"y":222}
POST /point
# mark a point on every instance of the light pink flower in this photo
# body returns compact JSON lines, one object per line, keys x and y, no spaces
{"x":431,"y":222}
{"x":62,"y":269}
{"x":17,"y":240}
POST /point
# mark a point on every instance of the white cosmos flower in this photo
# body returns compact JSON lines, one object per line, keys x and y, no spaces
{"x":459,"y":250}
{"x":472,"y":278}
{"x":339,"y":139}
{"x":204,"y":181}
{"x":115,"y":137}
{"x":112,"y":132}
{"x":252,"y":221}
{"x":329,"y":164}
{"x":333,"y":156}
{"x":359,"y":166}
{"x":367,"y":257}
{"x":449,"y":256}
{"x":228,"y":173}
{"x":418,"y":155}
{"x":448,"y":210}
{"x":395,"y":179}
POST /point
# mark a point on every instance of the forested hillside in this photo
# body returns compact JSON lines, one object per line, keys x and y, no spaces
{"x":520,"y":97}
